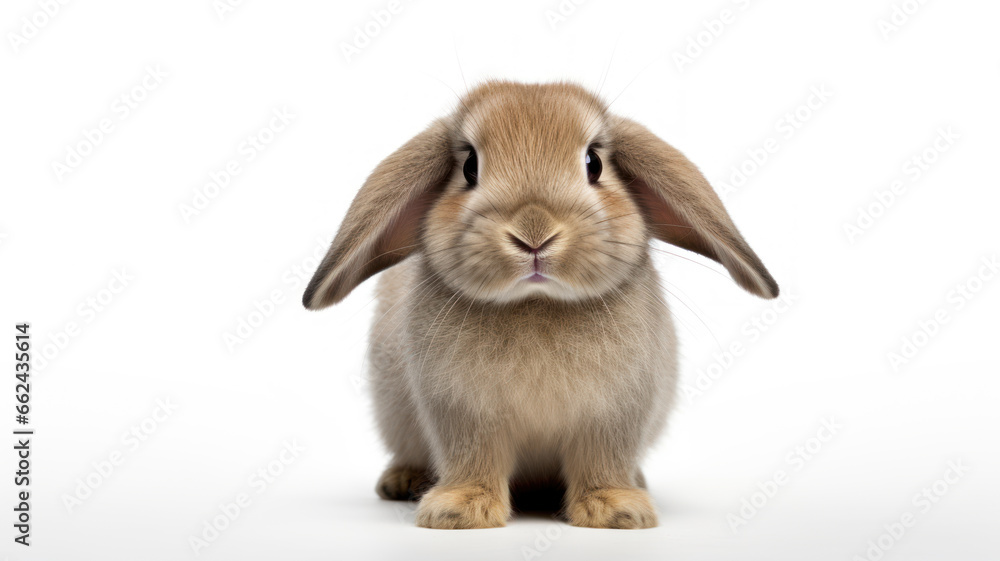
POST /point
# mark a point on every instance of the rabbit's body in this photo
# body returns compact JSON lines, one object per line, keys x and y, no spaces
{"x":545,"y":376}
{"x":523,"y":335}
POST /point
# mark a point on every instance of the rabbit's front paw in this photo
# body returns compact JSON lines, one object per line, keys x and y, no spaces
{"x":607,"y":507}
{"x":473,"y":505}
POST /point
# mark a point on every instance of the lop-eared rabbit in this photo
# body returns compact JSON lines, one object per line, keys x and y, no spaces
{"x":521,"y":336}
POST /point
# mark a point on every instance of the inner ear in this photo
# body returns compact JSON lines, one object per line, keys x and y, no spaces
{"x":667,"y":223}
{"x":680,"y":206}
{"x":383,"y":223}
{"x":402,"y":236}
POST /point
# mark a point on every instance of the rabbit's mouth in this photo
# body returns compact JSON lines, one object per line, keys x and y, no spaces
{"x":538,"y":264}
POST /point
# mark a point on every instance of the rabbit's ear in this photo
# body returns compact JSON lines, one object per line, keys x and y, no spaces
{"x":383,"y":223}
{"x":681,"y":207}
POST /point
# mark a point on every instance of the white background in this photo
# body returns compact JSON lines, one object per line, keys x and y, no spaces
{"x":298,"y":375}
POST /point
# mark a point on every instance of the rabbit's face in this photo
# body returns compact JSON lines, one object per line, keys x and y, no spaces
{"x":532,"y":191}
{"x":534,"y":206}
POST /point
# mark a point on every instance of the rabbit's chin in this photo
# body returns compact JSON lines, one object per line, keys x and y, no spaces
{"x":534,"y":286}
{"x":537,"y":285}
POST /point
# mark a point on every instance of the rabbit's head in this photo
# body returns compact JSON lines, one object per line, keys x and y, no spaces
{"x":532,"y":191}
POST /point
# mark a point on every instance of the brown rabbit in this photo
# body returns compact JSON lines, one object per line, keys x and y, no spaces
{"x":523,"y":336}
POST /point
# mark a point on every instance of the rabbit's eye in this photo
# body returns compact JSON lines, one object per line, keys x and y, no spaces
{"x":471,"y":168}
{"x":594,"y":166}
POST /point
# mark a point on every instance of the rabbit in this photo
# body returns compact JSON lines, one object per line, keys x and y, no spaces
{"x":520,"y":333}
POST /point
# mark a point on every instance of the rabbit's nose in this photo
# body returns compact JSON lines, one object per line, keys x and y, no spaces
{"x":527,"y":247}
{"x":531,"y":228}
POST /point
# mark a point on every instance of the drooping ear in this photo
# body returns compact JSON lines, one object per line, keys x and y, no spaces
{"x":681,"y":207}
{"x":383,"y":223}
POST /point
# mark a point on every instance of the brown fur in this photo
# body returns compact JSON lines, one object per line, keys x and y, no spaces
{"x":483,"y":380}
